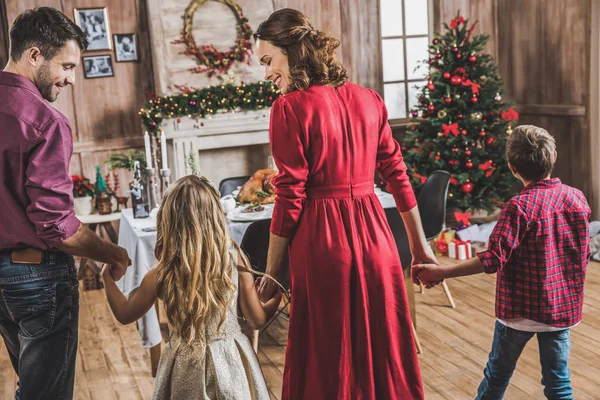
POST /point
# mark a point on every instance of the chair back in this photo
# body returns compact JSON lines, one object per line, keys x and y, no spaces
{"x":432,"y":203}
{"x":228,"y":185}
{"x":255,"y":244}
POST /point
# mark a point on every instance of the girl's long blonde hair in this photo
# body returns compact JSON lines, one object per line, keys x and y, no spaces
{"x":194,"y":263}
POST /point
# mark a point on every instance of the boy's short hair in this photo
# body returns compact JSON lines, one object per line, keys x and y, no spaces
{"x":530,"y":150}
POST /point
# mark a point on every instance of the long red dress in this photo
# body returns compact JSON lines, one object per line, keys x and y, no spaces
{"x":350,"y":334}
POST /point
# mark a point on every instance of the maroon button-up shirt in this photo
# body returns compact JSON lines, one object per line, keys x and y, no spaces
{"x":540,"y":249}
{"x":36,"y":193}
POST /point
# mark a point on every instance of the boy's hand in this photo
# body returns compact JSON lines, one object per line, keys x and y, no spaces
{"x":429,"y":274}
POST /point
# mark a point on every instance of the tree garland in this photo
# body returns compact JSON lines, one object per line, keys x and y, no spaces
{"x":210,"y":100}
{"x":210,"y":59}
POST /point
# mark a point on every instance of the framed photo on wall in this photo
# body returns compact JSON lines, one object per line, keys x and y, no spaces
{"x":94,"y":22}
{"x":98,"y":66}
{"x":125,"y":47}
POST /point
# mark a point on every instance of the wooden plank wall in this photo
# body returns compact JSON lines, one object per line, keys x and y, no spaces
{"x":3,"y":35}
{"x":542,"y":48}
{"x":103,"y":111}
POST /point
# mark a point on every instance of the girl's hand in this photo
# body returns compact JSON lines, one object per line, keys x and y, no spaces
{"x":106,"y":273}
{"x":430,"y":274}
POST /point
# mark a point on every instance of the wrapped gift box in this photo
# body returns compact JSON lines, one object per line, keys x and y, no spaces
{"x":460,"y":250}
{"x":471,"y":233}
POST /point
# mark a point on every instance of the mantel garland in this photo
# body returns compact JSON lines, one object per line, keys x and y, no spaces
{"x":209,"y":58}
{"x":201,"y":103}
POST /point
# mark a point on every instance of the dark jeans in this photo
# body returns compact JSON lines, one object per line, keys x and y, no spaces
{"x":39,"y":315}
{"x":507,"y":347}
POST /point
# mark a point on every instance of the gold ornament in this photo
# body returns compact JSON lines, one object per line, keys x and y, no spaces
{"x":483,"y":78}
{"x":442,"y":114}
{"x":457,"y":96}
{"x":498,"y":97}
{"x":476,"y":116}
{"x":440,"y":134}
{"x":509,"y":131}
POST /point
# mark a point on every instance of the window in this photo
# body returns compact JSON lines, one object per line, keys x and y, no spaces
{"x":404,"y":44}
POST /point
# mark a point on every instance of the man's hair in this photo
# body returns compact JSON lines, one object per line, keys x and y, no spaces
{"x":530,"y":150}
{"x":45,"y":28}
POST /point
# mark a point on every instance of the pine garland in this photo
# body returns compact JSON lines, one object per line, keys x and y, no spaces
{"x":200,"y":103}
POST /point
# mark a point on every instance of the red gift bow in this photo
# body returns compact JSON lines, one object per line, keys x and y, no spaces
{"x":510,"y":114}
{"x":489,"y":172}
{"x":470,"y":31}
{"x":454,"y":23}
{"x":442,"y":244}
{"x":463,"y":218}
{"x":462,"y":243}
{"x":474,"y":86}
{"x":452,"y":128}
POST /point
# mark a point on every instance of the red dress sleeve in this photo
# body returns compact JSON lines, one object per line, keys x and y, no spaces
{"x":288,"y":144}
{"x":391,"y":166}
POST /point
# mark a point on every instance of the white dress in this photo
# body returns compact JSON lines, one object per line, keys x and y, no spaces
{"x":226,"y":368}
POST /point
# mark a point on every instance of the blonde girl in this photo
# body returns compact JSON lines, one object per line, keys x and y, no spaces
{"x":201,"y":276}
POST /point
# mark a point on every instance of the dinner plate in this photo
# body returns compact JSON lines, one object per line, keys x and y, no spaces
{"x":239,"y":215}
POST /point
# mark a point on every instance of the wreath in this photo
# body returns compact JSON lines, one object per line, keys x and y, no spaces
{"x":209,"y":58}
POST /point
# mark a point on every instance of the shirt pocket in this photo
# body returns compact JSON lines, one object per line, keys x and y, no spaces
{"x":32,"y":308}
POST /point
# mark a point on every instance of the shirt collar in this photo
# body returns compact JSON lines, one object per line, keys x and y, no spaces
{"x":17,"y":80}
{"x":543,"y":184}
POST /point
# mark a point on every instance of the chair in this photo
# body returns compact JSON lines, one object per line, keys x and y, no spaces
{"x":255,"y":244}
{"x":432,"y":208}
{"x":228,"y":185}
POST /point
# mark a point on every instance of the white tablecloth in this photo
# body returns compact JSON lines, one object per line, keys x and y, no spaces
{"x":140,"y":247}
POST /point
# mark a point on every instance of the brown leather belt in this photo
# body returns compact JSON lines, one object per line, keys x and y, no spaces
{"x":29,"y":256}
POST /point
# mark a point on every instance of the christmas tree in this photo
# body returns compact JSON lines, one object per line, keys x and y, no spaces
{"x":462,"y":122}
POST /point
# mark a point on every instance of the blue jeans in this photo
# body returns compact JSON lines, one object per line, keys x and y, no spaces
{"x":39,"y":315}
{"x":507,"y":347}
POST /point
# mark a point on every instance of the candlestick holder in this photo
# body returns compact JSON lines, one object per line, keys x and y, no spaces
{"x":152,"y":188}
{"x":165,"y":173}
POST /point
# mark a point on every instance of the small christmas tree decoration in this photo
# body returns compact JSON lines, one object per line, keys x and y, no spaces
{"x":464,"y":121}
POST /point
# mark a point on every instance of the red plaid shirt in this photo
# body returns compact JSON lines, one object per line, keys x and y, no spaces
{"x":540,"y":249}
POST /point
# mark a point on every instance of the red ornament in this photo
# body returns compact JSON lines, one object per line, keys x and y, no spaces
{"x":473,"y":59}
{"x":461,"y":70}
{"x":467,"y":152}
{"x":458,"y":56}
{"x":455,"y":80}
{"x":474,"y":99}
{"x":437,"y":157}
{"x":431,"y":108}
{"x":469,"y":164}
{"x":490,"y":141}
{"x":459,"y":116}
{"x":446,"y":75}
{"x":464,"y":131}
{"x":438,"y":55}
{"x":455,"y":49}
{"x":415,"y":113}
{"x":455,"y":150}
{"x":178,"y":120}
{"x":453,"y":162}
{"x":430,"y":85}
{"x":482,"y":132}
{"x":467,"y":187}
{"x":436,"y":41}
{"x":448,"y":100}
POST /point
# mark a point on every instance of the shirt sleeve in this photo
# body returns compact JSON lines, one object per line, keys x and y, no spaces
{"x":288,"y":144}
{"x":505,"y":238}
{"x":391,"y":166}
{"x":49,"y":185}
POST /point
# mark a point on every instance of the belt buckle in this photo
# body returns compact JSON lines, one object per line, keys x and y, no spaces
{"x":26,"y":256}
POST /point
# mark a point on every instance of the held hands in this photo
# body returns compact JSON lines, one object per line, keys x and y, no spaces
{"x":119,"y":266}
{"x":429,"y":274}
{"x":267,"y":289}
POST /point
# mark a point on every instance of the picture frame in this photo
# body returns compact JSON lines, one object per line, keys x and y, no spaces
{"x":94,"y":23}
{"x":100,"y":66}
{"x":125,"y":47}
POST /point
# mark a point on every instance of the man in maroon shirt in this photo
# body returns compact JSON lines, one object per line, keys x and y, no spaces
{"x":539,"y":249}
{"x":39,"y":233}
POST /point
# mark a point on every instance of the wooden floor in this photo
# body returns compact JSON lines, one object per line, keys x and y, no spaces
{"x":112,"y":364}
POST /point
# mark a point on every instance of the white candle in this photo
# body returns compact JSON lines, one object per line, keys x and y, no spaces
{"x":163,"y":150}
{"x":148,"y":151}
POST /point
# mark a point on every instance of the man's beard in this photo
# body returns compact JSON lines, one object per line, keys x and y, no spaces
{"x":45,"y":84}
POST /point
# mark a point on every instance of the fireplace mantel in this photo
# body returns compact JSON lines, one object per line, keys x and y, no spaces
{"x":219,"y":131}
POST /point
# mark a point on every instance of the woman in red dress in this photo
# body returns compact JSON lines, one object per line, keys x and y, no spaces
{"x":350,"y":334}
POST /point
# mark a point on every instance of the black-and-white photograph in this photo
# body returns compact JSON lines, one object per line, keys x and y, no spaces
{"x":94,"y":22}
{"x":98,"y":66}
{"x":125,"y":47}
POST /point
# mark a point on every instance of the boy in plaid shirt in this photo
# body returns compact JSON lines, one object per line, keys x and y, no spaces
{"x":539,"y":250}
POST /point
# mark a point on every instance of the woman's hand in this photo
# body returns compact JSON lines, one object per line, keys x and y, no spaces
{"x":423,"y":256}
{"x":429,"y":274}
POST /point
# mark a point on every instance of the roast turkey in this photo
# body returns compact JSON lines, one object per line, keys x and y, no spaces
{"x":258,"y":189}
